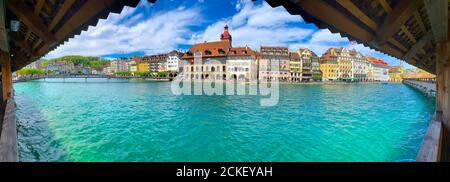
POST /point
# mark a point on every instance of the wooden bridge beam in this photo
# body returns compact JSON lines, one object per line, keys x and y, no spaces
{"x":5,"y":63}
{"x":33,"y":22}
{"x":89,"y":9}
{"x":395,"y":19}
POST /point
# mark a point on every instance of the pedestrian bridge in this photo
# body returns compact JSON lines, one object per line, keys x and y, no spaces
{"x":77,"y":76}
{"x":27,"y":78}
{"x":428,"y":87}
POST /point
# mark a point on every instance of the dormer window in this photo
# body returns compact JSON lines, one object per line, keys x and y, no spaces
{"x":221,"y":51}
{"x":207,"y":52}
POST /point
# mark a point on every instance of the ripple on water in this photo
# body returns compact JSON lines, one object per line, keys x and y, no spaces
{"x":122,"y":120}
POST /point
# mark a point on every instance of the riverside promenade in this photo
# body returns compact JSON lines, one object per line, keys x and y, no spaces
{"x":36,"y":77}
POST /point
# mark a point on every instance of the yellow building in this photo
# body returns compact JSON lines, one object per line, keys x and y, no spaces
{"x":143,"y":67}
{"x":337,"y":64}
{"x":329,"y":70}
{"x":396,"y":74}
{"x":329,"y":65}
{"x":295,"y":66}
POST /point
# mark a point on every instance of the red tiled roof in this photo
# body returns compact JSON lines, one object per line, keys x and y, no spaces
{"x":376,"y":61}
{"x":209,"y":49}
{"x":294,"y":55}
{"x":241,"y":51}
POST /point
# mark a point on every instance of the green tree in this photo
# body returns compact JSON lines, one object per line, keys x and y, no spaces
{"x":86,"y":61}
{"x":30,"y":71}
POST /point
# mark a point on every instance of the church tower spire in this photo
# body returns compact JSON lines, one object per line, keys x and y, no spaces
{"x":226,"y":35}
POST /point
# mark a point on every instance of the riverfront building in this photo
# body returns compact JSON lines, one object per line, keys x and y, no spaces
{"x":119,"y":65}
{"x":304,"y":66}
{"x":143,"y":67}
{"x":220,"y":61}
{"x":360,"y":66}
{"x":295,"y":66}
{"x":306,"y":60}
{"x":60,"y":67}
{"x":344,"y":64}
{"x":315,"y":66}
{"x":173,"y":61}
{"x":132,"y":66}
{"x":274,"y":63}
{"x":156,"y":63}
{"x":396,"y":73}
{"x":329,"y":65}
{"x":379,"y":69}
{"x":207,"y":60}
{"x":241,"y":64}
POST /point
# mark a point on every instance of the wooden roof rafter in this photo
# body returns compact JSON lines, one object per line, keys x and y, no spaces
{"x":37,"y":10}
{"x":353,"y":9}
{"x":396,"y":19}
{"x":33,"y":22}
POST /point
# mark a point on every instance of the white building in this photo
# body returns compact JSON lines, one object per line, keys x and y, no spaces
{"x":118,"y":65}
{"x":359,"y":66}
{"x":173,"y":61}
{"x":132,"y":66}
{"x":241,"y":64}
{"x":379,"y":70}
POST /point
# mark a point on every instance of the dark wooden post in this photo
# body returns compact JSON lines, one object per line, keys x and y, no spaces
{"x":6,"y":76}
{"x":443,"y":82}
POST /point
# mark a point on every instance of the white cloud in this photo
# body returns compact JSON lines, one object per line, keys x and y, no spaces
{"x":253,"y":25}
{"x":127,"y":32}
{"x":256,"y":25}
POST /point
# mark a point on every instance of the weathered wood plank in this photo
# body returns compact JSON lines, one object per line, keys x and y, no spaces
{"x":385,"y":6}
{"x":8,"y":135}
{"x":431,"y":145}
{"x":419,"y":45}
{"x":3,"y":32}
{"x":67,"y":4}
{"x":437,"y":11}
{"x":352,"y":8}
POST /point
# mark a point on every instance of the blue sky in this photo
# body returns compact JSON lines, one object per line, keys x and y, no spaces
{"x":177,"y":24}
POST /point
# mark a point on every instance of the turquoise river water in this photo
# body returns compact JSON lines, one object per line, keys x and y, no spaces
{"x":132,"y":120}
